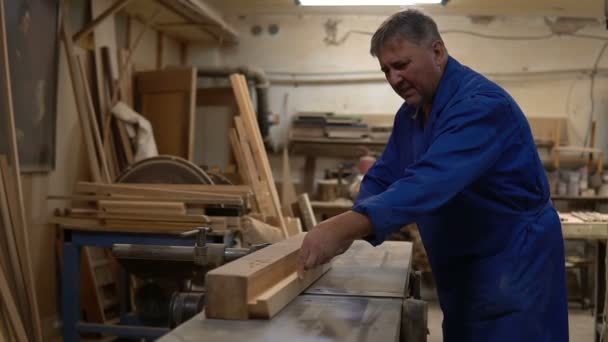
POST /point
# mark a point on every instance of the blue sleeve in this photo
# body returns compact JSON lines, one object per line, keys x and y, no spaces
{"x":468,"y":139}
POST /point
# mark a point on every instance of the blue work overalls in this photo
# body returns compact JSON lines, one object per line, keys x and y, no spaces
{"x":471,"y":178}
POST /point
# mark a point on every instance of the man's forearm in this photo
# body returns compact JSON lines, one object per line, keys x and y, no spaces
{"x":349,"y":226}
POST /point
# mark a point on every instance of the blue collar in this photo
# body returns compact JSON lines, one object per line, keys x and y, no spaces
{"x":448,"y":85}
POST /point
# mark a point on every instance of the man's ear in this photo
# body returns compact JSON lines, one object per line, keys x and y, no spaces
{"x":439,"y":52}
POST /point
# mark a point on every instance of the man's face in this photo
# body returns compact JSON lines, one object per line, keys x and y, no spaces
{"x":414,"y":71}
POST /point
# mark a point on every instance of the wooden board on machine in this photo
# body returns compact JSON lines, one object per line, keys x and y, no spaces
{"x":260,"y":284}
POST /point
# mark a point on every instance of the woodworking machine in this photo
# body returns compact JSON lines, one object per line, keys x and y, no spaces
{"x":166,"y":264}
{"x":368,"y":294}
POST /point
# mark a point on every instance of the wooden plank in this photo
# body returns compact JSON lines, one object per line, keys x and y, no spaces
{"x":122,"y":141}
{"x":175,"y":208}
{"x":100,"y":151}
{"x":104,"y":35}
{"x":199,"y":219}
{"x":257,"y":232}
{"x":91,"y":198}
{"x":288,"y":191}
{"x":131,"y":226}
{"x":239,"y":84}
{"x":20,"y":222}
{"x":13,"y":314}
{"x":18,"y":283}
{"x":232,"y":287}
{"x":241,"y":190}
{"x":5,"y":326}
{"x":294,"y":225}
{"x":259,"y":188}
{"x":125,"y":79}
{"x":308,"y":215}
{"x":120,"y":189}
{"x":238,"y":155}
{"x":79,"y":98}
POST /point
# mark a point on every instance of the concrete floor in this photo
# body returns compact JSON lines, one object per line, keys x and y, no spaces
{"x":581,"y":324}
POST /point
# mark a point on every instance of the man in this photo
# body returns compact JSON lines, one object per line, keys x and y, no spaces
{"x":462,"y":164}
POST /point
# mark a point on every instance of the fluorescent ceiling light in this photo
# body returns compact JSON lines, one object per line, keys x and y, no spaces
{"x":365,"y":2}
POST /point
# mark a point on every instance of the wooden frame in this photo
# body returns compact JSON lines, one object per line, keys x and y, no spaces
{"x":168,"y":101}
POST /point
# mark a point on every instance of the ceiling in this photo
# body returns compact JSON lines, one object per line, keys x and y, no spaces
{"x":563,"y":8}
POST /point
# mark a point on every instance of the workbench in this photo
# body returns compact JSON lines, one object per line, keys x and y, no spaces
{"x":573,"y":228}
{"x":363,"y":297}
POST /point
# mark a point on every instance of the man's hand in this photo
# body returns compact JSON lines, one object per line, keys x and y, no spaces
{"x":330,"y":238}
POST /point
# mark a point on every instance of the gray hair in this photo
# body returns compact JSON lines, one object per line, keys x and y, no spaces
{"x":412,"y":25}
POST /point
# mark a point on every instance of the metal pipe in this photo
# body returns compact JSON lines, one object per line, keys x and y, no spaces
{"x":148,"y":252}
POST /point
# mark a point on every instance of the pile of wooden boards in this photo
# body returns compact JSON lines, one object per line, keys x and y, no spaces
{"x":260,"y":284}
{"x":19,"y":316}
{"x":153,"y":208}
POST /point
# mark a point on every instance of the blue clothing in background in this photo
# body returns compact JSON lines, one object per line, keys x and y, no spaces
{"x":471,"y":178}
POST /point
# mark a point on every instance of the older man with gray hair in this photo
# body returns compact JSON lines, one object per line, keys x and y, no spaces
{"x":462,"y":164}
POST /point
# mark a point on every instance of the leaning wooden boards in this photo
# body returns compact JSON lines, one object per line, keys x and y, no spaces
{"x":260,"y":284}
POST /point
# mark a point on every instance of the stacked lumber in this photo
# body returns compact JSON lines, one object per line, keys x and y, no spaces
{"x":19,"y":315}
{"x":260,"y":284}
{"x":153,"y":208}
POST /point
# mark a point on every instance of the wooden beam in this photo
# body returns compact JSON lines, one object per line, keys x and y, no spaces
{"x":117,"y":6}
{"x":258,"y":284}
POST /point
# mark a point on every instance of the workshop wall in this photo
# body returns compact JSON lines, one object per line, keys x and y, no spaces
{"x":71,"y":166}
{"x":549,"y":74}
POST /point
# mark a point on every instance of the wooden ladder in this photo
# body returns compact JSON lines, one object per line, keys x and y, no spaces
{"x":99,"y":286}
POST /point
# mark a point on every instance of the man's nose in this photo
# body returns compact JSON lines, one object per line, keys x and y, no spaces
{"x":394,"y":77}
